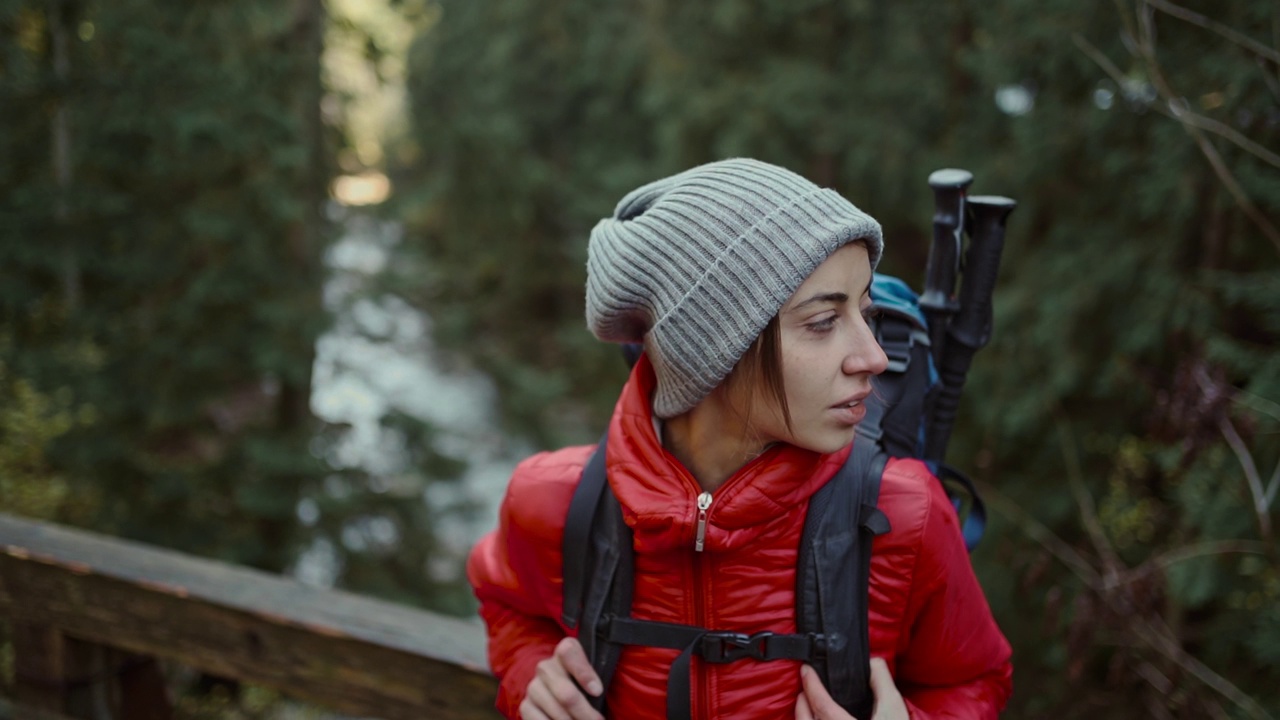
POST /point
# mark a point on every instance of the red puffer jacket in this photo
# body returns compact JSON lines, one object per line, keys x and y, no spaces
{"x":928,"y":616}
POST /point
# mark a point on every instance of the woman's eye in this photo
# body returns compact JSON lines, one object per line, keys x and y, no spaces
{"x":870,"y":313}
{"x":823,"y":325}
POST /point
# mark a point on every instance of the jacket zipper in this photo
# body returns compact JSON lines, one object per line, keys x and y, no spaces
{"x":704,"y":504}
{"x":702,"y":706}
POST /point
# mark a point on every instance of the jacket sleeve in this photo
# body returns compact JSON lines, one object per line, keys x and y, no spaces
{"x":957,"y":661}
{"x":516,"y":574}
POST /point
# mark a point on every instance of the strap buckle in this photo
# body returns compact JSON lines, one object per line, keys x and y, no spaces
{"x":896,"y":339}
{"x":727,"y":647}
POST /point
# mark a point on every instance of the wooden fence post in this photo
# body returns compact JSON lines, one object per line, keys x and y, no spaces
{"x":40,"y":669}
{"x":60,"y":675}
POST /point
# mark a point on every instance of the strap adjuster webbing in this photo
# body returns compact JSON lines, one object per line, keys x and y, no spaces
{"x":726,"y":647}
{"x":717,"y":647}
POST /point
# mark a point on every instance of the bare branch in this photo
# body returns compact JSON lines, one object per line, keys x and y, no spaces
{"x":1217,"y":713}
{"x":1250,"y":473}
{"x":1257,"y":403}
{"x":1272,"y":83}
{"x":1158,"y":680}
{"x":1178,"y":110}
{"x":1181,"y":112}
{"x":1161,"y":639}
{"x":1111,"y":563}
{"x":1147,"y":48}
{"x":1204,"y":549}
{"x":1273,"y":485}
{"x":1234,"y":36}
{"x":1101,"y":59}
{"x":1047,"y":539}
{"x":1237,"y":192}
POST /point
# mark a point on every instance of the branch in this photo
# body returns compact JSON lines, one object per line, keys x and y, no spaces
{"x":1040,"y":533}
{"x":1178,"y":110}
{"x":1162,"y":640}
{"x":1234,"y":36}
{"x":1147,"y":48}
{"x":1111,"y":563}
{"x":1203,"y":549}
{"x":1272,"y":84}
{"x":1257,"y":403}
{"x":1251,"y":474}
{"x":1273,"y":485}
{"x":1101,"y":59}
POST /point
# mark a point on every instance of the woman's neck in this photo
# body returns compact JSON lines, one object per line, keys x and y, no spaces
{"x":712,"y":441}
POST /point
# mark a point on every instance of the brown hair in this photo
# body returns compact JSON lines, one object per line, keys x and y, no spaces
{"x":761,"y":367}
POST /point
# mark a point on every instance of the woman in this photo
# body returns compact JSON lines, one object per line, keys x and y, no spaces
{"x":748,"y":287}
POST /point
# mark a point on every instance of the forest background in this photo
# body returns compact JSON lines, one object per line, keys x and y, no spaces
{"x":172,"y":177}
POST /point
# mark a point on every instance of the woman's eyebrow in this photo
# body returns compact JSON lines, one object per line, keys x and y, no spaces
{"x":831,"y":297}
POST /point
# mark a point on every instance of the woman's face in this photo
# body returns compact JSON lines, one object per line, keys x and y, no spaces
{"x":829,"y":355}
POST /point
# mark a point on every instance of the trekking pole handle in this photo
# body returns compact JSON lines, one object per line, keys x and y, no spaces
{"x":938,"y":301}
{"x":989,"y":214}
{"x":971,"y":328}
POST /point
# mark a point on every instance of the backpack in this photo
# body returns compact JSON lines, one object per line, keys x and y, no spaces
{"x":840,"y":525}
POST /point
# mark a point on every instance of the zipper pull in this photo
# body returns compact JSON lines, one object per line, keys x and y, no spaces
{"x":704,"y":502}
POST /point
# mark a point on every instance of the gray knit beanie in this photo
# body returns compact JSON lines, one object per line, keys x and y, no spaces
{"x":695,"y":266}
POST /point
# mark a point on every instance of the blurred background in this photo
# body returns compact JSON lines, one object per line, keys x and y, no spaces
{"x":294,"y":284}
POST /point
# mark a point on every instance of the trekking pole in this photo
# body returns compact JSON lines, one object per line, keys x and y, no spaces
{"x":938,"y":301}
{"x":970,"y":329}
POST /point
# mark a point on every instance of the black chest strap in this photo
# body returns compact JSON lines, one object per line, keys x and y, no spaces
{"x":831,"y":601}
{"x":713,"y":646}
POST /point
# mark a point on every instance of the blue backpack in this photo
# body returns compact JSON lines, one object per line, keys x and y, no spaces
{"x":908,"y":389}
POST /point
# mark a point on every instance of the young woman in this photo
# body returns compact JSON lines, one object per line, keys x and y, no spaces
{"x":748,"y":286}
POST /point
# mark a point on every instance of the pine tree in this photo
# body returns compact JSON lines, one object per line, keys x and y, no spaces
{"x":161,"y":194}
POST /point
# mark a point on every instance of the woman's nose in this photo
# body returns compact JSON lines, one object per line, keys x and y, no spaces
{"x":866,"y":355}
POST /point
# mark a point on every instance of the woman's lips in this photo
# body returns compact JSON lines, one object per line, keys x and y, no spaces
{"x":850,"y":412}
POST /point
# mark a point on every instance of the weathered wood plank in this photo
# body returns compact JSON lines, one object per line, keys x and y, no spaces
{"x":354,"y":654}
{"x":11,"y":711}
{"x":40,"y":661}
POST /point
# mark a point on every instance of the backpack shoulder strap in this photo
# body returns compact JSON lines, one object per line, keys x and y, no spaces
{"x":598,"y":567}
{"x":577,"y":532}
{"x":839,"y":528}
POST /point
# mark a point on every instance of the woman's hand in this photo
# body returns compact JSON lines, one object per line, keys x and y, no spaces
{"x":815,"y":703}
{"x":551,"y":694}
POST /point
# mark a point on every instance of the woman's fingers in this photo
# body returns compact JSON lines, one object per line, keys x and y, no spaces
{"x":889,"y":702}
{"x":815,"y":702}
{"x":881,"y":678}
{"x":574,"y":660}
{"x":542,"y":698}
{"x":553,"y":694}
{"x":802,"y":708}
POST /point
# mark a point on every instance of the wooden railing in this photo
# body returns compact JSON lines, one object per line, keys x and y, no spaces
{"x":91,"y":618}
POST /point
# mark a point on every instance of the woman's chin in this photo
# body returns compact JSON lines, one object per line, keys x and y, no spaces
{"x":827,"y":442}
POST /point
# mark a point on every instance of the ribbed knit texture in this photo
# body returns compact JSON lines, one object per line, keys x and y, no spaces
{"x":695,"y":266}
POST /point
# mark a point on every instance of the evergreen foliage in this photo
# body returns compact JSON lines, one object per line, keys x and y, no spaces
{"x":1124,"y":418}
{"x":160,"y":189}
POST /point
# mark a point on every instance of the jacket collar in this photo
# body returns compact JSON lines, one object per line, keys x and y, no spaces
{"x":659,"y":496}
